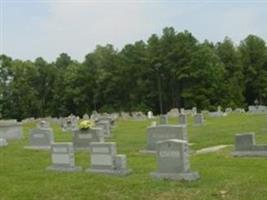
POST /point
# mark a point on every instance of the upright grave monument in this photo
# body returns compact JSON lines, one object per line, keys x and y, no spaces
{"x":245,"y":145}
{"x":182,"y":119}
{"x":199,"y":119}
{"x":62,"y":156}
{"x":3,"y":142}
{"x":40,"y":138}
{"x":10,"y":129}
{"x":82,"y":138}
{"x":173,"y":161}
{"x":163,"y":119}
{"x":106,"y":126}
{"x":163,"y":132}
{"x":104,"y":159}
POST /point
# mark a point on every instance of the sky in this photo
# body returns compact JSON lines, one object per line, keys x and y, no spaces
{"x":46,"y":28}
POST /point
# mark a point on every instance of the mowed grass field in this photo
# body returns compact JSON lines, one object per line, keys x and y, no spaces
{"x":23,"y":174}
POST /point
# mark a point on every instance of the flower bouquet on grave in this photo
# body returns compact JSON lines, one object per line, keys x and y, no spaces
{"x":86,"y":125}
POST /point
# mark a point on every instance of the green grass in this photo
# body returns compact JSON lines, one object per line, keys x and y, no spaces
{"x":23,"y":174}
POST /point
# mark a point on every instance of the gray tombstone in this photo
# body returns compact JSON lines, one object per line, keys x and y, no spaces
{"x":199,"y":119}
{"x":104,"y":159}
{"x":182,"y":119}
{"x":106,"y":126}
{"x":86,"y":117}
{"x":82,"y":138}
{"x":62,"y":156}
{"x":40,"y":138}
{"x":245,"y":145}
{"x":163,"y":132}
{"x":69,"y":124}
{"x":163,"y":119}
{"x":43,"y":124}
{"x":3,"y":142}
{"x":10,"y":130}
{"x":173,"y":161}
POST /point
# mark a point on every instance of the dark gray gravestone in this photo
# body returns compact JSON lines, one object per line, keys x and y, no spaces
{"x":104,"y":159}
{"x":173,"y":161}
{"x":245,"y":145}
{"x":62,"y":156}
{"x":40,"y":138}
{"x":164,"y":132}
{"x":82,"y":138}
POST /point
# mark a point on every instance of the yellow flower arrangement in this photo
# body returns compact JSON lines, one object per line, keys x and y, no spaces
{"x":86,"y":124}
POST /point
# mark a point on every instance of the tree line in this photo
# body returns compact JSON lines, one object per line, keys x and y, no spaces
{"x":189,"y":72}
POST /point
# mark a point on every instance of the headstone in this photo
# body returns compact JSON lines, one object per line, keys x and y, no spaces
{"x":3,"y":142}
{"x":182,"y":119}
{"x":199,"y":119}
{"x":173,"y":161}
{"x":10,"y":130}
{"x":40,"y":138}
{"x":163,"y":119}
{"x":82,"y":138}
{"x":194,"y":111}
{"x":86,"y":117}
{"x":239,"y":110}
{"x":174,"y":112}
{"x":104,"y":159}
{"x":228,"y":110}
{"x":43,"y":124}
{"x":62,"y":155}
{"x":106,"y":126}
{"x":164,"y":132}
{"x":69,"y":124}
{"x":106,"y":119}
{"x":125,"y":115}
{"x":149,"y":114}
{"x":245,"y":145}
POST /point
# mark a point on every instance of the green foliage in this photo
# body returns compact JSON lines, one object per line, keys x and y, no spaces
{"x":190,"y":73}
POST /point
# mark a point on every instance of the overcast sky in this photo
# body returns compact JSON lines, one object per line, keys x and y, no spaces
{"x":46,"y":28}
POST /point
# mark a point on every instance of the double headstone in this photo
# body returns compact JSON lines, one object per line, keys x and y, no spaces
{"x":82,"y":138}
{"x":40,"y":138}
{"x":173,"y":161}
{"x":164,"y":132}
{"x":104,"y":159}
{"x":245,"y":145}
{"x":62,"y":156}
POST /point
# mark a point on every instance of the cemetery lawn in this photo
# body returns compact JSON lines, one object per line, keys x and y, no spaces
{"x":23,"y":175}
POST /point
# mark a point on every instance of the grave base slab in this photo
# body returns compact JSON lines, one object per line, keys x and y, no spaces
{"x":249,"y":153}
{"x":38,"y":147}
{"x":189,"y":176}
{"x":110,"y":172}
{"x":64,"y":169}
